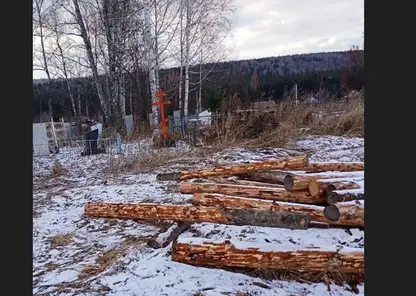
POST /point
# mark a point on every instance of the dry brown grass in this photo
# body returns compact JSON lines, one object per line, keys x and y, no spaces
{"x":108,"y":258}
{"x":241,"y":293}
{"x":61,"y":240}
{"x":289,"y":121}
{"x":57,"y":169}
{"x":149,"y":160}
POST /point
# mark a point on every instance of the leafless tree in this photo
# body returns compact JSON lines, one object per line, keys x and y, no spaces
{"x":61,"y":52}
{"x":40,"y":34}
{"x":206,"y":25}
{"x":114,"y":39}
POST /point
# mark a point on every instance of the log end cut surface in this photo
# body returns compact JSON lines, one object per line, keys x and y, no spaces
{"x":288,"y":182}
{"x":332,"y":213}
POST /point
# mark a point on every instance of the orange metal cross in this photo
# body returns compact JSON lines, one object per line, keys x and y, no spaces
{"x":160,"y":94}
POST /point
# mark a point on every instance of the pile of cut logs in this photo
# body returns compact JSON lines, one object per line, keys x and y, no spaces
{"x":286,"y":193}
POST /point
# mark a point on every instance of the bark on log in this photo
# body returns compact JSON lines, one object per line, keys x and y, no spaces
{"x":226,"y":254}
{"x":274,"y":177}
{"x":333,"y":166}
{"x":326,"y":186}
{"x":350,"y":211}
{"x":168,"y":177}
{"x":243,"y":182}
{"x":316,"y":212}
{"x":339,"y":196}
{"x":252,"y":191}
{"x":163,"y":239}
{"x":288,"y":163}
{"x":198,"y":214}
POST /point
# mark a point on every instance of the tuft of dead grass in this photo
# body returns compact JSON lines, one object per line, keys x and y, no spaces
{"x":61,"y":240}
{"x":241,"y":293}
{"x":109,"y":257}
{"x":57,"y":169}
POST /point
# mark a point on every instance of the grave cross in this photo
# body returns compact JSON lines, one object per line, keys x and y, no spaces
{"x":160,"y":94}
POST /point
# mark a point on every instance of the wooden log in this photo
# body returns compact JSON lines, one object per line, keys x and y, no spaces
{"x":252,"y":191}
{"x":163,"y":239}
{"x":273,"y":177}
{"x":325,"y":186}
{"x":225,"y":254}
{"x":198,"y":214}
{"x":243,"y":182}
{"x":288,"y":163}
{"x":297,"y":182}
{"x":333,"y":166}
{"x":349,"y":211}
{"x":316,"y":212}
{"x":341,"y":196}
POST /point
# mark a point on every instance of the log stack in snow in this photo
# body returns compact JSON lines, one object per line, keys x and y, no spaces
{"x":287,"y":193}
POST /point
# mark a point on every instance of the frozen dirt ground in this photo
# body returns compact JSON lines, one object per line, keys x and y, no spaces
{"x":76,"y":255}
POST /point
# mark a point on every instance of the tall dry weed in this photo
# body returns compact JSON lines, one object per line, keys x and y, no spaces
{"x":288,"y":121}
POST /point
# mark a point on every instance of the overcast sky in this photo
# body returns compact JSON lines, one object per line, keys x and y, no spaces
{"x":280,"y":27}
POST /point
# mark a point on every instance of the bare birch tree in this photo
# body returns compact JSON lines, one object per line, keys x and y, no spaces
{"x":207,"y":23}
{"x":41,"y":58}
{"x":61,"y":54}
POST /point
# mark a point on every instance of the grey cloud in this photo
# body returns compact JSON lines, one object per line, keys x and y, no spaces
{"x":339,"y":20}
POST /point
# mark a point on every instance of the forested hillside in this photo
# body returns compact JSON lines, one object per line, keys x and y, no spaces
{"x":265,"y":78}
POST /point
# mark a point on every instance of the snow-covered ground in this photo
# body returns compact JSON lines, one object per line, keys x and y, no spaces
{"x":74,"y":254}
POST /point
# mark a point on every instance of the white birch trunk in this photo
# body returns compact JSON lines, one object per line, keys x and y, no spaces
{"x":200,"y":83}
{"x":181,"y":57}
{"x":187,"y":61}
{"x":151,"y":64}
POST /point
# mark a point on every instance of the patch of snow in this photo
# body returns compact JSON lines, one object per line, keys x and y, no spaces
{"x":58,"y":206}
{"x":333,"y":149}
{"x":273,"y":239}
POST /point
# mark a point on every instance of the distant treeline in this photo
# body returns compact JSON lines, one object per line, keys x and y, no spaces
{"x":252,"y":80}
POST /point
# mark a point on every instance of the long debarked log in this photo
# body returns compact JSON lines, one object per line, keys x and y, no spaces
{"x":251,"y":191}
{"x":339,"y":196}
{"x":287,"y":163}
{"x":198,"y":214}
{"x":349,"y":211}
{"x":316,"y":212}
{"x":226,"y":254}
{"x":334,"y":166}
{"x":243,"y":182}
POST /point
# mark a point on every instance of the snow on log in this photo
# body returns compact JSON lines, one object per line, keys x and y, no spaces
{"x":252,"y":191}
{"x":334,"y":166}
{"x":288,"y":163}
{"x":225,"y":254}
{"x":316,"y":212}
{"x":194,"y":214}
{"x":337,"y":196}
{"x":349,"y":212}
